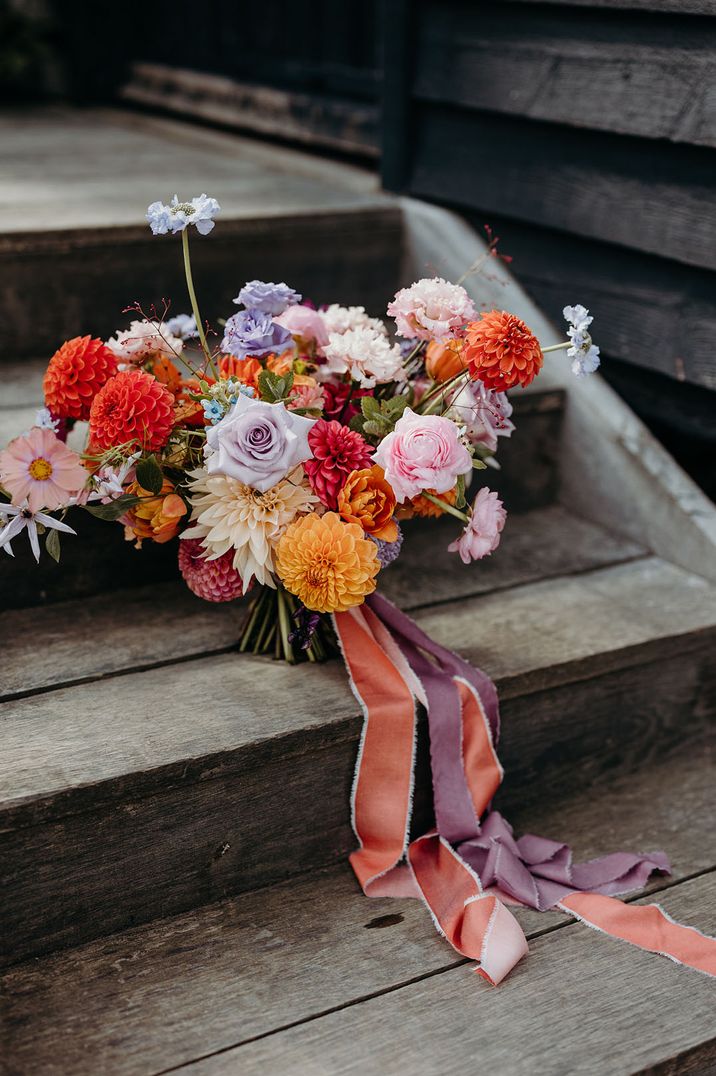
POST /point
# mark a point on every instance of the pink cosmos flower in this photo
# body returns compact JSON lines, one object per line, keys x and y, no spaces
{"x":38,"y":468}
{"x":422,"y":452}
{"x":305,"y":324}
{"x":431,"y":309}
{"x":482,"y":531}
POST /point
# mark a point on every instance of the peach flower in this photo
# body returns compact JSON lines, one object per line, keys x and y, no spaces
{"x":155,"y":517}
{"x":38,"y":468}
{"x":367,"y":499}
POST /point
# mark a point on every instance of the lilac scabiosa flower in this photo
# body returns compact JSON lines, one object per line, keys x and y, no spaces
{"x":252,"y":333}
{"x":388,"y":551}
{"x":583,"y":353}
{"x":177,"y":216}
{"x":45,"y":420}
{"x":269,"y":298}
{"x":258,"y":443}
{"x":182,"y":326}
{"x":481,"y":535}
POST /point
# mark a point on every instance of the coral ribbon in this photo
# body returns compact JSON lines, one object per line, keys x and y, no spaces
{"x":470,"y":860}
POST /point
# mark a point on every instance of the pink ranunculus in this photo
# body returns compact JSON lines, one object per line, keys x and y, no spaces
{"x":422,"y":452}
{"x":40,"y":469}
{"x":431,"y":309}
{"x":305,"y":324}
{"x":482,"y":531}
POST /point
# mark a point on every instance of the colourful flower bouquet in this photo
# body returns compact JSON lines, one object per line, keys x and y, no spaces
{"x":285,"y":456}
{"x":285,"y":459}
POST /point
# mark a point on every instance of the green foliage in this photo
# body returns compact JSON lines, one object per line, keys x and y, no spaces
{"x":273,"y":388}
{"x":378,"y":417}
{"x":52,"y":544}
{"x":460,"y":501}
{"x":115,"y":508}
{"x":149,"y":474}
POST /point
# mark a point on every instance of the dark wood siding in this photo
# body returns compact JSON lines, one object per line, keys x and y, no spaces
{"x":587,"y":132}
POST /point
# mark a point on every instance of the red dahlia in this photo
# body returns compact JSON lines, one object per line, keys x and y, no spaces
{"x":501,"y":351}
{"x":133,"y":410}
{"x":342,"y":400}
{"x":337,"y":451}
{"x":75,"y":375}
{"x":213,"y":580}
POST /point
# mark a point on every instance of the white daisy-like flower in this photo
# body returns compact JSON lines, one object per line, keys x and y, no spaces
{"x":367,"y":355}
{"x":583,"y":352}
{"x":145,"y":338}
{"x":14,"y":519}
{"x":230,"y":515}
{"x":177,"y":216}
{"x":339,"y":319}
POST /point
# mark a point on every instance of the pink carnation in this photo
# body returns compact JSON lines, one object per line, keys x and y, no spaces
{"x":304,"y":323}
{"x":337,"y":451}
{"x":213,"y":580}
{"x":482,"y":532}
{"x":431,"y":309}
{"x":422,"y":452}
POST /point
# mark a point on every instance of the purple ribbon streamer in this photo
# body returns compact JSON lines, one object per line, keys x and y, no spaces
{"x":534,"y":870}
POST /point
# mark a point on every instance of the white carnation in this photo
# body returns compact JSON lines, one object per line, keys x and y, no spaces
{"x":366,"y":355}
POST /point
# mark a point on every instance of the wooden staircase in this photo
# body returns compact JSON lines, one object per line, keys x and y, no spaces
{"x":174,"y":817}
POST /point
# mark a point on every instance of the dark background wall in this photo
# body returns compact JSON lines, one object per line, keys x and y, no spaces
{"x":582,"y":131}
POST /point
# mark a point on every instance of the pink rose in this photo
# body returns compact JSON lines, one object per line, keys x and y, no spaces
{"x":422,"y":452}
{"x":304,"y":323}
{"x":431,"y":309}
{"x":482,"y":532}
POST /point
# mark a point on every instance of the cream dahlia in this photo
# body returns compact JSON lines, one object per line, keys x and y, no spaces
{"x":230,"y":515}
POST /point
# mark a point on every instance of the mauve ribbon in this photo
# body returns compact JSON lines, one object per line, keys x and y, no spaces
{"x":392,"y":664}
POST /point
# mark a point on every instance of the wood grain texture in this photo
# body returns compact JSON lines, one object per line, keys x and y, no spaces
{"x":160,"y":995}
{"x":538,"y":545}
{"x":631,"y":192}
{"x":616,"y":1002}
{"x":626,"y":74}
{"x":110,"y":823}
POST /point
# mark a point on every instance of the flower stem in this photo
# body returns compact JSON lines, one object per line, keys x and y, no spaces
{"x":556,"y":347}
{"x":285,"y":627}
{"x":447,"y":507}
{"x":194,"y":303}
{"x":437,"y":395}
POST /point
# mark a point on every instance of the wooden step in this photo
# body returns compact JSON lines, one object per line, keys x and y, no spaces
{"x":99,"y":560}
{"x":282,"y":979}
{"x":148,"y":793}
{"x":75,"y":249}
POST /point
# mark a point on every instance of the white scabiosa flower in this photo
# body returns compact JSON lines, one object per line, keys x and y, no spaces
{"x":227,"y":514}
{"x":365,"y":354}
{"x":584,"y":354}
{"x":177,"y":216}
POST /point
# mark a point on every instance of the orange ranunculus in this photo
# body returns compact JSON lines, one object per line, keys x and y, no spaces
{"x":327,"y":563}
{"x":244,"y":370}
{"x":155,"y":517}
{"x":421,"y":506}
{"x":165,"y":371}
{"x":443,"y":359}
{"x":281,"y":364}
{"x":367,"y":499}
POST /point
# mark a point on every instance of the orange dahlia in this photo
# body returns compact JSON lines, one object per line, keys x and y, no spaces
{"x":421,"y":506}
{"x":501,"y":351}
{"x":75,"y":374}
{"x":167,"y":373}
{"x":328,"y":564}
{"x":443,"y":358}
{"x":368,"y":500}
{"x":156,"y":517}
{"x":133,"y":409}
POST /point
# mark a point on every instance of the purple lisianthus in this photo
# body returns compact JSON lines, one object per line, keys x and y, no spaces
{"x":268,"y":298}
{"x":258,"y":443}
{"x":251,"y":332}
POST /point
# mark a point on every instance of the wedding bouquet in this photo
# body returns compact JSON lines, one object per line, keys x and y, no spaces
{"x":285,"y":452}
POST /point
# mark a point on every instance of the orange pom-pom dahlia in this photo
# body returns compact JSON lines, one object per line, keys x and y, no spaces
{"x":368,"y":500}
{"x":133,"y":409}
{"x":154,"y":517}
{"x":328,"y":564}
{"x":74,"y":376}
{"x":501,"y":351}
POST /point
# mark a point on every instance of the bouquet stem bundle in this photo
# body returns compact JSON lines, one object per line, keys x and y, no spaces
{"x":277,"y":624}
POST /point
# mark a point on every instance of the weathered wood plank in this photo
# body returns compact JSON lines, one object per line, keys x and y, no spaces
{"x":635,"y":193}
{"x":193,"y":757}
{"x":581,"y":1002}
{"x":624,"y":74}
{"x":161,"y":995}
{"x":539,"y":545}
{"x":679,"y":7}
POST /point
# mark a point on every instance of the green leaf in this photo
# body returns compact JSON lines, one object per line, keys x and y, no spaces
{"x":369,"y":406}
{"x":268,"y":383}
{"x":52,"y":544}
{"x":479,"y":465}
{"x":460,"y":498}
{"x":356,"y":423}
{"x":149,"y":474}
{"x":396,"y":406}
{"x":373,"y":429}
{"x":115,"y":508}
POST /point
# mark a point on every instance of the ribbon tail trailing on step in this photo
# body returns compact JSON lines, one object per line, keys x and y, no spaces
{"x":470,"y":866}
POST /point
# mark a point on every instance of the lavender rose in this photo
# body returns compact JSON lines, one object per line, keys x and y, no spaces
{"x":251,"y":332}
{"x":258,"y":443}
{"x":268,"y":298}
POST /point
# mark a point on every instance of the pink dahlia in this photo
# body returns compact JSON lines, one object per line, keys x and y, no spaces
{"x":213,"y":580}
{"x":40,"y":469}
{"x":482,"y":532}
{"x":337,"y":451}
